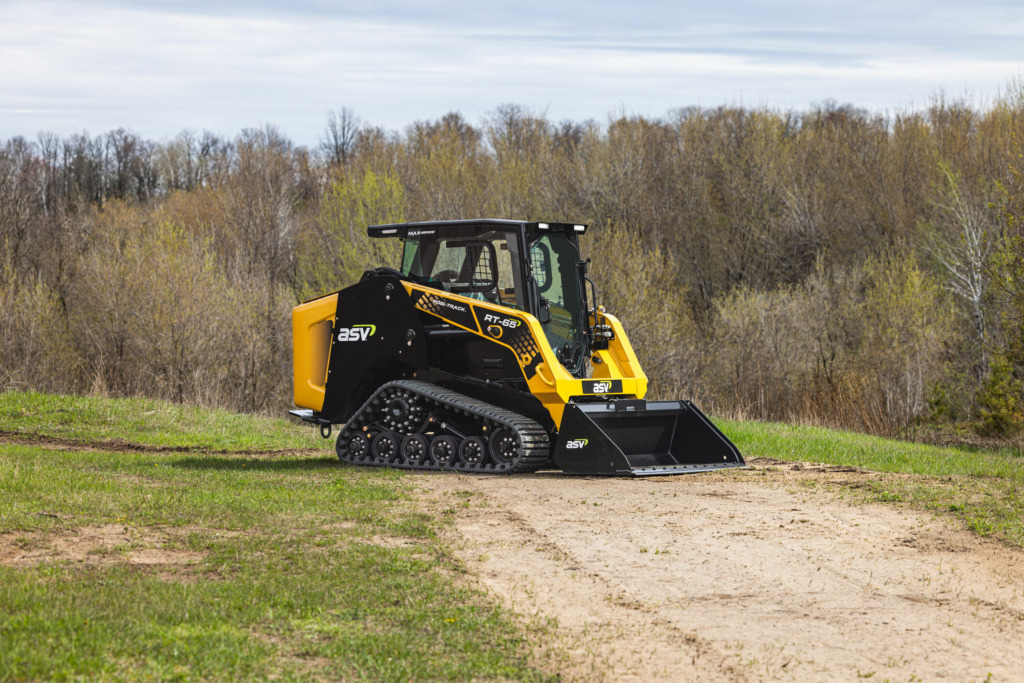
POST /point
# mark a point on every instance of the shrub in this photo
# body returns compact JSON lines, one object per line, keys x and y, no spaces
{"x":999,"y":400}
{"x":36,"y":351}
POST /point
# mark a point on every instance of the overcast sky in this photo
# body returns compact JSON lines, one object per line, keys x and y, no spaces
{"x":159,"y":67}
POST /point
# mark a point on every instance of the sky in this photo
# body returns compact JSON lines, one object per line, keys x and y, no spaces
{"x":158,"y":67}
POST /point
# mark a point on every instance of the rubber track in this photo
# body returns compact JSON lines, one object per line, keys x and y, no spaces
{"x":534,"y":451}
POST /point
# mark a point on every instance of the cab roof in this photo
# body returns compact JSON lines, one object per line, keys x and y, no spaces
{"x":403,"y":229}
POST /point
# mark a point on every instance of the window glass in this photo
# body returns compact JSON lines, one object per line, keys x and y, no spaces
{"x":410,"y":265}
{"x":553,"y":260}
{"x":465,"y":261}
{"x":449,"y":261}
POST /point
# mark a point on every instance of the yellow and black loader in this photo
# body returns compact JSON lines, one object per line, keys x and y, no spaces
{"x":484,"y":353}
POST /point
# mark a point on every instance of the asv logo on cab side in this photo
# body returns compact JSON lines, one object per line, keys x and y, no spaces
{"x":356,"y":333}
{"x":576,"y":443}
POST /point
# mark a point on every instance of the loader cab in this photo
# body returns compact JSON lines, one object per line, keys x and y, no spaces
{"x":532,"y":267}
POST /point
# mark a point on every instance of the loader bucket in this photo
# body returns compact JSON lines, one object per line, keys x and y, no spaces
{"x":638,"y":438}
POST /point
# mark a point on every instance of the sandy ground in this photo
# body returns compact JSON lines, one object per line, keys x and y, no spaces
{"x":748,"y":575}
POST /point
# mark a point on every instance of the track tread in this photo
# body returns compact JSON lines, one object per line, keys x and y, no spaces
{"x":534,"y":451}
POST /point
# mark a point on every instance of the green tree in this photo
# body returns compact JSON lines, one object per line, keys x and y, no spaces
{"x":339,"y":251}
{"x":999,"y":401}
{"x":907,"y":327}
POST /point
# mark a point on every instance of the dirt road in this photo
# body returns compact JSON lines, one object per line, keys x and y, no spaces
{"x":747,"y":575}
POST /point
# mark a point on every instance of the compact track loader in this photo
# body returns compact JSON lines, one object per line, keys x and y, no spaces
{"x":482,"y":353}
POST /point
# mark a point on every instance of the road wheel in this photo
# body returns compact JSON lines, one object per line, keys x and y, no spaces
{"x":385,"y":445}
{"x":443,"y":450}
{"x":415,"y":448}
{"x":473,"y":450}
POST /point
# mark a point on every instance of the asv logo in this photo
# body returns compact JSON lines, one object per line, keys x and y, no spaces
{"x":356,"y":333}
{"x":601,"y":387}
{"x":576,"y":443}
{"x":501,"y":320}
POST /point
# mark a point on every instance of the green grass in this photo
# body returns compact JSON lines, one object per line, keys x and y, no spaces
{"x":281,"y":566}
{"x":90,"y":419}
{"x":984,"y":488}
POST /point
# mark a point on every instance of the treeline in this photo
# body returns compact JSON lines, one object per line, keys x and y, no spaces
{"x":832,"y":266}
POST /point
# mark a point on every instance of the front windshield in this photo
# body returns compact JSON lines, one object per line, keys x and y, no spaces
{"x":554,"y":262}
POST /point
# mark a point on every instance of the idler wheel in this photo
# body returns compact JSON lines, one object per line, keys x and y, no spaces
{"x":504,"y":445}
{"x":358,"y":445}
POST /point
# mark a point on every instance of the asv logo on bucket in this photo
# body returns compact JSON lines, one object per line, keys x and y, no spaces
{"x":576,"y":443}
{"x":356,"y":333}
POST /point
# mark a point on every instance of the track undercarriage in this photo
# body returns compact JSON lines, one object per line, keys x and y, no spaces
{"x":417,"y":425}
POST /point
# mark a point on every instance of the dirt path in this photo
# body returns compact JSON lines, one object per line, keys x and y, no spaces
{"x":740,"y":576}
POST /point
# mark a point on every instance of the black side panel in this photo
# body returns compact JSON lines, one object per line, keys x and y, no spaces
{"x":641,"y":438}
{"x":377,"y":338}
{"x":471,"y":356}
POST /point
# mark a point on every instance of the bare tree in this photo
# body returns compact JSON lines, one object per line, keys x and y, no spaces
{"x":130,"y":172}
{"x":963,"y":247}
{"x":340,"y":134}
{"x":20,"y":194}
{"x":261,"y":193}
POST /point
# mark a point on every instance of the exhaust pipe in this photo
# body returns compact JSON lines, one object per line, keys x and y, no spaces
{"x":639,"y":438}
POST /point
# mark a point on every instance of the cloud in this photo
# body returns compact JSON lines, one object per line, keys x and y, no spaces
{"x":160,"y":67}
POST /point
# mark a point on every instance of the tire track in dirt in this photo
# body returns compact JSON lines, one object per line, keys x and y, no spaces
{"x":744,"y":575}
{"x":123,"y":446}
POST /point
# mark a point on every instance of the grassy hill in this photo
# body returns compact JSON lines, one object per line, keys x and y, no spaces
{"x":982,"y":487}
